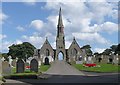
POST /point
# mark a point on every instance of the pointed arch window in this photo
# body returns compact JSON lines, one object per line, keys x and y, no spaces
{"x":47,"y":52}
{"x":74,"y":52}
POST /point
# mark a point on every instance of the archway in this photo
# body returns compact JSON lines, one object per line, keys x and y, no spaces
{"x":60,"y":56}
{"x":110,"y":60}
{"x":46,"y":61}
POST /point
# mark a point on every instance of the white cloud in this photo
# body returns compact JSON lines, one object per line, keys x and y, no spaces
{"x":20,"y":28}
{"x":29,"y":2}
{"x":37,"y":24}
{"x":2,"y":36}
{"x":67,"y":44}
{"x":18,"y":42}
{"x":99,"y":50}
{"x":5,"y":45}
{"x":109,"y":27}
{"x":3,"y":17}
{"x":91,"y":37}
{"x":34,"y":39}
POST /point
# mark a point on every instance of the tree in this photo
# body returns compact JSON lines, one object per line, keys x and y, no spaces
{"x":87,"y":49}
{"x":118,"y":49}
{"x":114,"y":48}
{"x":107,"y":52}
{"x":21,"y":50}
{"x":5,"y":56}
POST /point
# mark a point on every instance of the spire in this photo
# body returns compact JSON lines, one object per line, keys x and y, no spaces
{"x":60,"y":23}
{"x":74,"y":38}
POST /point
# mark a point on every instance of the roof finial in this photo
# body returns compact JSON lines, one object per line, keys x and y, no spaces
{"x":73,"y":37}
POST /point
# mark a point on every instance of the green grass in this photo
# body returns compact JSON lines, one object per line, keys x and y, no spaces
{"x":44,"y":68}
{"x":102,"y":68}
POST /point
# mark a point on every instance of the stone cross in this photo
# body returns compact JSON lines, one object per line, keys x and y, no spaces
{"x":10,"y":60}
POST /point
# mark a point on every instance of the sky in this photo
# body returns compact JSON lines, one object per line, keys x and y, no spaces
{"x":90,"y":22}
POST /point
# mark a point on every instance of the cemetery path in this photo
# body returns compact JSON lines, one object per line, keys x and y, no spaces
{"x":62,"y":68}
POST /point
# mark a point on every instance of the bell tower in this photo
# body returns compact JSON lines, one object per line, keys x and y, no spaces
{"x":60,"y":41}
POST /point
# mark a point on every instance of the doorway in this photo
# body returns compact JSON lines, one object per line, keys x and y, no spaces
{"x":60,"y":56}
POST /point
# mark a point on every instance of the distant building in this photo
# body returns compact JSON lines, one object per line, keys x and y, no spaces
{"x":73,"y":53}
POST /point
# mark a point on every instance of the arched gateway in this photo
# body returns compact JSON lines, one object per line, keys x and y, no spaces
{"x":72,"y":53}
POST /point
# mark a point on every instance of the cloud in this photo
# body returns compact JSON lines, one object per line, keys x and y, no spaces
{"x":2,"y":36}
{"x":91,"y":37}
{"x":37,"y":24}
{"x":29,"y":2}
{"x":99,"y":50}
{"x":20,"y":28}
{"x":4,"y":46}
{"x":109,"y":27}
{"x":34,"y":39}
{"x":3,"y":17}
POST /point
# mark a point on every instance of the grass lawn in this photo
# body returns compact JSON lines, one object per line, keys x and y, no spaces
{"x":44,"y":68}
{"x":102,"y":68}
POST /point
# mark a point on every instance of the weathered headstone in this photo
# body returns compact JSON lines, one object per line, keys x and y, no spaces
{"x":34,"y":65}
{"x":89,"y":61}
{"x":46,"y":61}
{"x":79,"y":62}
{"x":20,"y":66}
{"x":6,"y":68}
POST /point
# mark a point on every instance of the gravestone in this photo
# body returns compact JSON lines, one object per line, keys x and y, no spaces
{"x":79,"y":62}
{"x":20,"y":66}
{"x":34,"y":65}
{"x":46,"y":61}
{"x":6,"y":68}
{"x":89,"y":60}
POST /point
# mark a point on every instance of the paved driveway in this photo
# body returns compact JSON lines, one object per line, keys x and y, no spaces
{"x":62,"y":68}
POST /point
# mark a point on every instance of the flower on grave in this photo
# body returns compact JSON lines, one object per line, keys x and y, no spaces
{"x":27,"y":67}
{"x":90,"y":65}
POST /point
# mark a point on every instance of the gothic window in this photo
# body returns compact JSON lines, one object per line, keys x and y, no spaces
{"x":47,"y":52}
{"x":74,"y":52}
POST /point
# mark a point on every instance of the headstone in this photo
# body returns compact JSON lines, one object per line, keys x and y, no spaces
{"x":6,"y":68}
{"x":79,"y":62}
{"x":34,"y":65}
{"x":116,"y":59}
{"x":89,"y":61}
{"x":20,"y":66}
{"x":46,"y":61}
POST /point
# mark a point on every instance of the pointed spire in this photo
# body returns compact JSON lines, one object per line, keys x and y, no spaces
{"x":60,"y":23}
{"x":74,"y":38}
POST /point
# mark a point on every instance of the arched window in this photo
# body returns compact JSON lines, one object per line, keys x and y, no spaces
{"x":74,"y":52}
{"x":47,"y":52}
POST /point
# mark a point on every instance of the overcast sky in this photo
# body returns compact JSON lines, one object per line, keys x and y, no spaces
{"x":93,"y":23}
